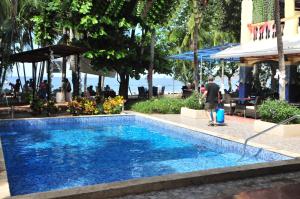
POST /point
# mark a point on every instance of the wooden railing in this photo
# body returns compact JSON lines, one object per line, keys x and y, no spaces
{"x":267,"y":30}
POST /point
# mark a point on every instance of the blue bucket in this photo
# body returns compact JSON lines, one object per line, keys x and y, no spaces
{"x":220,"y":115}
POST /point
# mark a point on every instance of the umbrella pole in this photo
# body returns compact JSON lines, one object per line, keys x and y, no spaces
{"x":201,"y":72}
{"x":85,"y":84}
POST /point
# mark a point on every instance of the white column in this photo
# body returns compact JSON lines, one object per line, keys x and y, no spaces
{"x":291,"y":25}
{"x":246,"y":18}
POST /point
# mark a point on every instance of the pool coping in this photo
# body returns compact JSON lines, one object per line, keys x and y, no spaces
{"x":158,"y":183}
{"x":4,"y":186}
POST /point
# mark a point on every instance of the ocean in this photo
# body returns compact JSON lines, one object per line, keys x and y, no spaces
{"x":171,"y":85}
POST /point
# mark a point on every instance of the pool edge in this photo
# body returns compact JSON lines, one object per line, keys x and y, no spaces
{"x":4,"y":186}
{"x":68,"y":116}
{"x":159,"y":183}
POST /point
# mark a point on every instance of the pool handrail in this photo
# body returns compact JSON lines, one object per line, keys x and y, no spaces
{"x":264,"y":131}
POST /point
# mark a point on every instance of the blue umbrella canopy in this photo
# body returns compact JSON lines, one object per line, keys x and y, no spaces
{"x":205,"y":54}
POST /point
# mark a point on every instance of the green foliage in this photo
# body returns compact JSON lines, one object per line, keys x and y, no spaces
{"x":219,"y":24}
{"x":194,"y":102}
{"x":113,"y":105}
{"x":37,"y":106}
{"x":263,"y":10}
{"x":160,"y":105}
{"x":276,"y":111}
{"x":83,"y":106}
{"x":168,"y":105}
{"x":86,"y":106}
{"x":50,"y":107}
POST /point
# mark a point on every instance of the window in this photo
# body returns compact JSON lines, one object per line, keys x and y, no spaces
{"x":298,"y":69}
{"x":297,"y":5}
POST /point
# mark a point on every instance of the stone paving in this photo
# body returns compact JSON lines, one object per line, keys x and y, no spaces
{"x":222,"y":190}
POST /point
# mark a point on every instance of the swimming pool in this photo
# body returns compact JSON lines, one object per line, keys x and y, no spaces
{"x":60,"y":153}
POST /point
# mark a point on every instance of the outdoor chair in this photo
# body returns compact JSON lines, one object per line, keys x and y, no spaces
{"x":229,"y":106}
{"x":251,"y":110}
{"x":110,"y":93}
{"x":240,"y":108}
{"x":186,"y":92}
{"x":142,"y":92}
{"x":155,"y":91}
{"x":162,"y":91}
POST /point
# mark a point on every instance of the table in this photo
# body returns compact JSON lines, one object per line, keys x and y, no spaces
{"x":241,"y":107}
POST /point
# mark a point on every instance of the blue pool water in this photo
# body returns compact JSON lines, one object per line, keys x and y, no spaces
{"x":50,"y":154}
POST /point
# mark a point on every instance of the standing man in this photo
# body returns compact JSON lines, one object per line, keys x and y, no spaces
{"x":212,"y":99}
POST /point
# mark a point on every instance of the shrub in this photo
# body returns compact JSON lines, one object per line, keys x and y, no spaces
{"x":160,"y":105}
{"x":50,"y":107}
{"x":89,"y":107}
{"x":193,"y":102}
{"x":113,"y":105}
{"x":74,"y":107}
{"x":83,"y":106}
{"x":37,"y":106}
{"x":276,"y":111}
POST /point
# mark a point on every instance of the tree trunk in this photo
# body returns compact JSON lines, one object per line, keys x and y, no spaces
{"x":24,"y":72}
{"x":229,"y":83}
{"x":74,"y":65}
{"x":42,"y":72}
{"x":124,"y":83}
{"x":282,"y":78}
{"x":49,"y":80}
{"x":100,"y":84}
{"x":144,"y":33}
{"x":195,"y":44}
{"x":74,"y":82}
{"x":1,"y":71}
{"x":4,"y":69}
{"x":18,"y":73}
{"x":274,"y":86}
{"x":63,"y":77}
{"x":150,"y":70}
{"x":34,"y":81}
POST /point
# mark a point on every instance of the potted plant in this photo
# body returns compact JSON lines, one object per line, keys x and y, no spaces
{"x":193,"y":107}
{"x":273,"y":112}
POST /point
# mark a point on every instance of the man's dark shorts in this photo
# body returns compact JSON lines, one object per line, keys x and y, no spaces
{"x":210,"y":106}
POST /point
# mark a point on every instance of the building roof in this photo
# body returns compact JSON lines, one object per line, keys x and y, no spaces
{"x":204,"y":54}
{"x":43,"y":54}
{"x":259,"y":49}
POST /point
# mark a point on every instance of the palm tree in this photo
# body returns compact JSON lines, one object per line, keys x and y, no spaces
{"x":196,"y":12}
{"x":280,"y":51}
{"x":5,"y":13}
{"x":15,"y":28}
{"x":4,"y":10}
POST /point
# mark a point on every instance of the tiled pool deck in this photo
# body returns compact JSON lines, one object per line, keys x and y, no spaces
{"x":237,"y":129}
{"x":229,"y":189}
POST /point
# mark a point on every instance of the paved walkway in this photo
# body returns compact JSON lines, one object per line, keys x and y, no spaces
{"x":237,"y":129}
{"x":240,"y":189}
